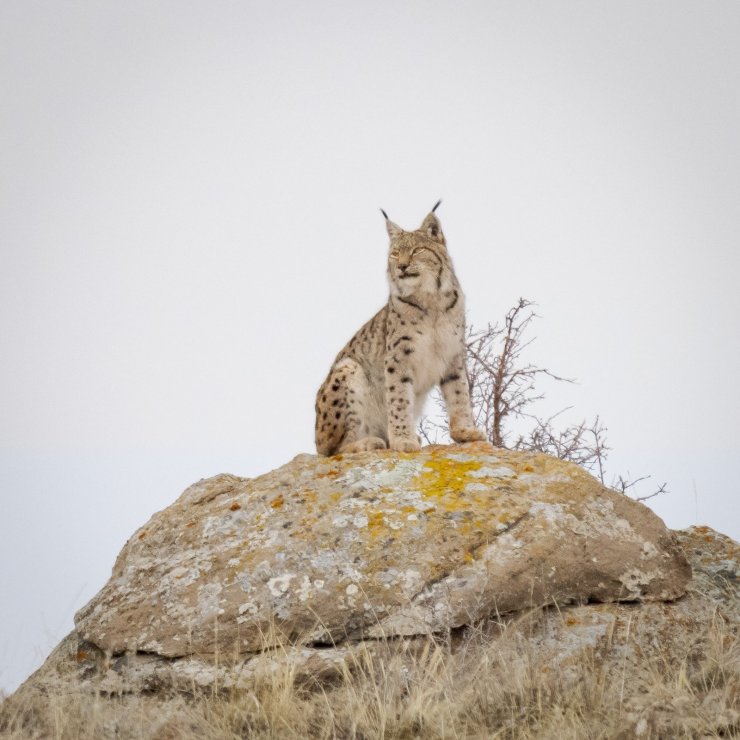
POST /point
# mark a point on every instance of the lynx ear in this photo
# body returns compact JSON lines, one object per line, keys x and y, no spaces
{"x":393,"y":229}
{"x":431,"y":226}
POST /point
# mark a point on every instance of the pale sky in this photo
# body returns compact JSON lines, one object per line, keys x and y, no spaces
{"x":189,"y":232}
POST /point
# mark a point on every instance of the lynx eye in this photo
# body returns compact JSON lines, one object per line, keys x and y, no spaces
{"x":394,"y":254}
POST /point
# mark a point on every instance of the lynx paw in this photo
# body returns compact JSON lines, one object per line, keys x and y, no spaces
{"x":404,"y":444}
{"x":366,"y":444}
{"x":467,"y":434}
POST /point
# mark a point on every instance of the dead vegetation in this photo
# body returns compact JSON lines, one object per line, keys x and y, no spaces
{"x":505,"y":388}
{"x":468,"y":686}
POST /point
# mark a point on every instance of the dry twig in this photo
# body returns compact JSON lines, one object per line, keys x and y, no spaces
{"x":503,"y":387}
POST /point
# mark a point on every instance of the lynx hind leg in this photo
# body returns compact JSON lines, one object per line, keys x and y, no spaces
{"x":341,"y":412}
{"x":366,"y":444}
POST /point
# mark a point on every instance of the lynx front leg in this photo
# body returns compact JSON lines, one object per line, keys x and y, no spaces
{"x":456,"y":393}
{"x":399,"y":399}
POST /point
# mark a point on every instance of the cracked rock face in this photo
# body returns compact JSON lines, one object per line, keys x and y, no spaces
{"x":377,"y":544}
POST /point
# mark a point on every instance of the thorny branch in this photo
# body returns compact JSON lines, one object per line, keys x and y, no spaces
{"x":503,"y":387}
{"x":624,"y":485}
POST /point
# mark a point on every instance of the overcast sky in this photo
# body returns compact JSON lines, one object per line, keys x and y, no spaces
{"x":189,"y":232}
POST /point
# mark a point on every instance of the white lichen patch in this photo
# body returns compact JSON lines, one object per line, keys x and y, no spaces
{"x":635,"y":579}
{"x":308,"y":588}
{"x":408,"y":498}
{"x":551,"y":513}
{"x":247,"y":607}
{"x":304,"y":591}
{"x":380,"y":475}
{"x":487,"y":472}
{"x":359,"y":520}
{"x":209,"y":604}
{"x":463,"y":457}
{"x":278,"y":585}
{"x":180,"y":577}
{"x":216,"y":526}
{"x":600,"y":517}
{"x":399,"y":475}
{"x":411,"y":582}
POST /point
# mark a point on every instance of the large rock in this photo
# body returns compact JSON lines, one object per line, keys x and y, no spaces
{"x":346,"y":565}
{"x":640,"y":669}
{"x":324,"y":550}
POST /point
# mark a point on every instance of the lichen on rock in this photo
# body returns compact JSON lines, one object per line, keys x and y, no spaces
{"x":381,"y":543}
{"x":456,"y":583}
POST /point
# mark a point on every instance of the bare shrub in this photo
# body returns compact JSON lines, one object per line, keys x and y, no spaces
{"x":505,"y":387}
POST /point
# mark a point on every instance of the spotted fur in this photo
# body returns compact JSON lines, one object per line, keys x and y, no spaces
{"x":377,"y":385}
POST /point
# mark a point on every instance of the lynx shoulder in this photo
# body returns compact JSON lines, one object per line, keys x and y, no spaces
{"x":376,"y":387}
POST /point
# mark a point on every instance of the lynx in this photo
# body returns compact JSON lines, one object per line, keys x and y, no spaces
{"x":376,"y":387}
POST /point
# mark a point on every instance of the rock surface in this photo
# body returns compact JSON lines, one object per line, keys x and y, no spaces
{"x":613,"y":647}
{"x":529,"y":575}
{"x":324,"y":550}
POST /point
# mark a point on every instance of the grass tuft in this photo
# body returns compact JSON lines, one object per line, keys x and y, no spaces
{"x":492,"y":682}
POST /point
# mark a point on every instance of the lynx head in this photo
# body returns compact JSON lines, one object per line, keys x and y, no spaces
{"x":418,"y":260}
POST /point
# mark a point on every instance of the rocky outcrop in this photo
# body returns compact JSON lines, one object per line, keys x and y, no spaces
{"x":533,"y":576}
{"x":559,"y":638}
{"x":326,"y":550}
{"x":647,"y":669}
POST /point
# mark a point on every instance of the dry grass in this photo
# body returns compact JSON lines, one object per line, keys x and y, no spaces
{"x":472,"y":686}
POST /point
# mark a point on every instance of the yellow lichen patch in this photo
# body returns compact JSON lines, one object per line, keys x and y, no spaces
{"x":462,"y":506}
{"x":333,"y":473}
{"x":235,"y":506}
{"x":277,"y":502}
{"x":375,"y":523}
{"x":442,"y":477}
{"x":305,"y":524}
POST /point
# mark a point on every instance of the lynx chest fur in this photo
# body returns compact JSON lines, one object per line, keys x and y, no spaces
{"x":377,"y":385}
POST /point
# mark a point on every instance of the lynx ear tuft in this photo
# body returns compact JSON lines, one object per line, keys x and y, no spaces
{"x":393,"y":229}
{"x":436,"y":205}
{"x":431,"y":226}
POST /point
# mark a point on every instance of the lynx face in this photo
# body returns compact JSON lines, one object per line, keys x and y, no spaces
{"x":415,"y":263}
